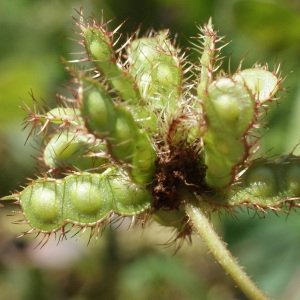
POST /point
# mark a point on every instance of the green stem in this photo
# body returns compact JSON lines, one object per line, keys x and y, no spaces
{"x":218,"y":248}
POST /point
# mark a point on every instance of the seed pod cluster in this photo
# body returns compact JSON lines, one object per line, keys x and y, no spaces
{"x":133,"y":111}
{"x":84,"y":200}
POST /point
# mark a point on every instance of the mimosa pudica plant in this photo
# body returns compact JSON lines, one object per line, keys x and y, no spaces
{"x":149,"y":134}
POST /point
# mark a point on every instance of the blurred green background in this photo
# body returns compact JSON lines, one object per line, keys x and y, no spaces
{"x":133,"y":265}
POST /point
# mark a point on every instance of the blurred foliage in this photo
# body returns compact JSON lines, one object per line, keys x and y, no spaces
{"x":128,"y":265}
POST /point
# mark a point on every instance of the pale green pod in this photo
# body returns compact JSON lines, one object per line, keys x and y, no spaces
{"x":115,"y":124}
{"x":98,"y":43}
{"x":167,"y":81}
{"x":230,"y":149}
{"x":222,"y":154}
{"x":130,"y":145}
{"x":87,"y":199}
{"x":262,"y":180}
{"x":174,"y":218}
{"x":78,"y":151}
{"x":83,"y":199}
{"x":166,"y":73}
{"x":141,"y":53}
{"x":219,"y":171}
{"x":129,"y":199}
{"x":97,"y":109}
{"x":155,"y":64}
{"x":124,"y":135}
{"x":42,"y":205}
{"x":142,"y":167}
{"x":292,"y":179}
{"x":145,"y":118}
{"x":262,"y":83}
{"x":265,"y":184}
{"x":229,"y":107}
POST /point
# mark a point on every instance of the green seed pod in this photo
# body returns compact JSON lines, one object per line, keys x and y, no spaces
{"x":124,"y":135}
{"x":99,"y":48}
{"x":130,"y":145}
{"x":229,"y":148}
{"x":117,"y":125}
{"x":59,"y":117}
{"x":229,"y":107}
{"x":141,"y":53}
{"x":98,"y":44}
{"x":265,"y":184}
{"x":129,"y":199}
{"x":230,"y":110}
{"x":262,"y":83}
{"x":77,"y":151}
{"x":174,"y":218}
{"x":145,"y":118}
{"x":219,"y":171}
{"x":87,"y":199}
{"x":143,"y":166}
{"x":292,"y":178}
{"x":84,"y":200}
{"x":262,"y":180}
{"x":222,"y":154}
{"x":155,"y":65}
{"x":97,"y":109}
{"x":166,"y":73}
{"x":42,"y":204}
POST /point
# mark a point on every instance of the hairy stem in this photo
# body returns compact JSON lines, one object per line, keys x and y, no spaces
{"x":218,"y":248}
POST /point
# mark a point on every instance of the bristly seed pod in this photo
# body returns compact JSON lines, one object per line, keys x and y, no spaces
{"x":262,"y":83}
{"x":155,"y":64}
{"x":230,"y":110}
{"x":77,"y":151}
{"x":97,"y":108}
{"x":124,"y":135}
{"x":42,"y":205}
{"x":98,"y":43}
{"x":84,"y":200}
{"x":266,"y":184}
